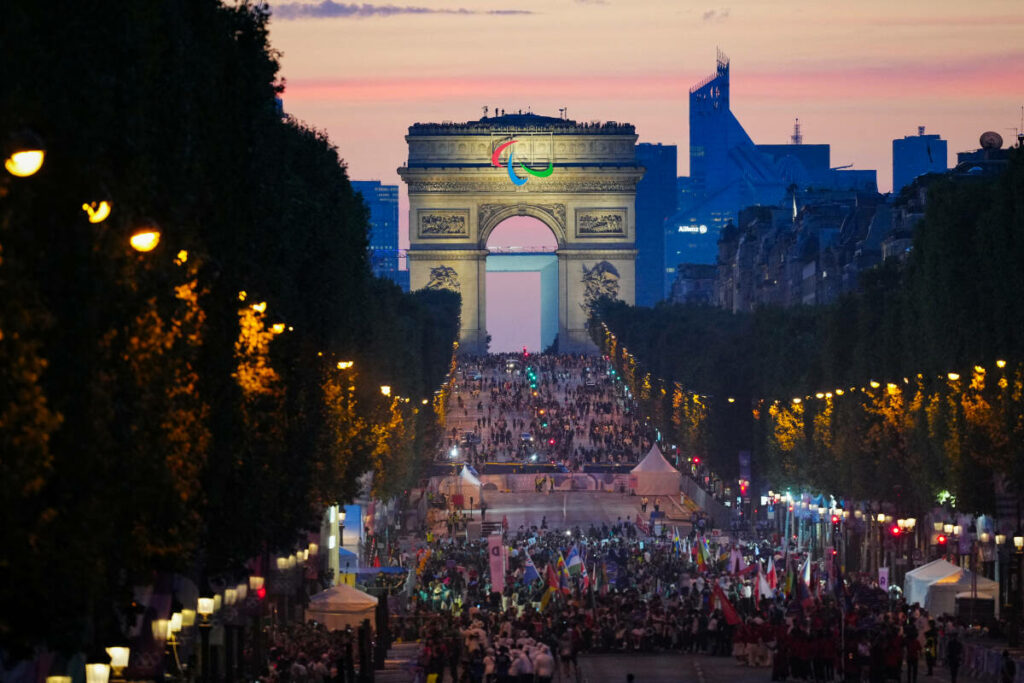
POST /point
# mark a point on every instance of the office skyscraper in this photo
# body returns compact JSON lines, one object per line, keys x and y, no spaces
{"x":916,"y":155}
{"x":656,"y":197}
{"x":727,"y":173}
{"x":382,"y":201}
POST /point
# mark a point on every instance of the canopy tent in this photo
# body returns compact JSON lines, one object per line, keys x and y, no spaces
{"x":341,"y":606}
{"x":936,"y":585}
{"x":655,"y":476}
{"x":942,"y":594}
{"x":465,"y":484}
{"x":916,"y":582}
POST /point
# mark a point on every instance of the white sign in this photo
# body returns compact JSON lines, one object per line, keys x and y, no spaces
{"x":883,"y":578}
{"x":700,"y":229}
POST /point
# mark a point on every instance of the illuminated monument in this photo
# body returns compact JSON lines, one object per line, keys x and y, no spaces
{"x":579,"y":179}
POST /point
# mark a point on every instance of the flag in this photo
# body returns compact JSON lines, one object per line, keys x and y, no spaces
{"x":736,"y":562}
{"x":548,"y":594}
{"x":563,"y":574}
{"x":496,"y":551}
{"x":530,"y":574}
{"x":764,"y":588}
{"x":803,"y":595}
{"x":585,"y":578}
{"x":677,"y":545}
{"x":551,"y":578}
{"x":805,"y":571}
{"x":772,"y":576}
{"x":703,"y":554}
{"x":574,"y":562}
{"x":728,"y":611}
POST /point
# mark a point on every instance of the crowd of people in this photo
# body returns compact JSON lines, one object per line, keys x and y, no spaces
{"x":563,"y":409}
{"x":639,"y":594}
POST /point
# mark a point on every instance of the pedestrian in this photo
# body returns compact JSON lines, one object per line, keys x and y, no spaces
{"x":931,"y":646}
{"x":954,"y":655}
{"x":643,"y":504}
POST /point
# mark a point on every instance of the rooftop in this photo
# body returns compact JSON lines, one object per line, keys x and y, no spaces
{"x":522,"y":123}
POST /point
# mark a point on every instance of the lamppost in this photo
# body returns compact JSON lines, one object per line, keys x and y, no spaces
{"x":204,"y":609}
{"x":1013,"y":637}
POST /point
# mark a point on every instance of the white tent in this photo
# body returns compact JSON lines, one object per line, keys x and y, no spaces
{"x":341,"y":606}
{"x":655,"y":476}
{"x":936,"y":586}
{"x":943,"y":593}
{"x":916,"y":582}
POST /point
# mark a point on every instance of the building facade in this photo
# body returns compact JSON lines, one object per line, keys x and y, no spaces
{"x":729,"y":172}
{"x":916,"y":155}
{"x":382,"y":202}
{"x":655,"y":203}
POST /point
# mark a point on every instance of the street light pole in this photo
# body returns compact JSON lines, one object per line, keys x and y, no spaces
{"x":1013,"y":637}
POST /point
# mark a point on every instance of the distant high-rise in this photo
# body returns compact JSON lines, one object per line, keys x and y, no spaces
{"x":382,"y":201}
{"x":727,"y":173}
{"x":656,"y":197}
{"x":916,"y":155}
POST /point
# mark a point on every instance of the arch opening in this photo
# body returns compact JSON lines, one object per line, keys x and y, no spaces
{"x":522,"y":285}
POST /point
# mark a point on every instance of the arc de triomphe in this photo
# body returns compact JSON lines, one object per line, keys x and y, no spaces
{"x":579,"y":179}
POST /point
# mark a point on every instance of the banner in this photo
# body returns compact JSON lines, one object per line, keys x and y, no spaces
{"x":496,"y":551}
{"x":883,"y":578}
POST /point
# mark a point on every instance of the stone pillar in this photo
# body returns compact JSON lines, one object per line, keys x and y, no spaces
{"x":463,"y":271}
{"x":583,"y":276}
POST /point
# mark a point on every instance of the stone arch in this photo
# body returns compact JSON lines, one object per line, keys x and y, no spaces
{"x":586,"y":199}
{"x":490,"y":216}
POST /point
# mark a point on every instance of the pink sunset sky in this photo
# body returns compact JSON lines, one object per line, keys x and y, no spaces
{"x":857,"y":74}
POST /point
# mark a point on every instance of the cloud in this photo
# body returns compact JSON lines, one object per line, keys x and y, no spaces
{"x":328,"y":9}
{"x":716,"y":15}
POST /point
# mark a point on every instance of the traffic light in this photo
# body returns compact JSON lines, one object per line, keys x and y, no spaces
{"x":894,"y":530}
{"x":261,"y":592}
{"x":941,"y":540}
{"x":835,"y":519}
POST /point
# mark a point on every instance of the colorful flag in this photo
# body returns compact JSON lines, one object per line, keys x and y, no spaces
{"x":728,"y":611}
{"x":563,"y":574}
{"x":548,"y":594}
{"x":703,"y":554}
{"x":772,"y":576}
{"x":677,"y":545}
{"x":585,"y":583}
{"x":530,"y":574}
{"x":574,"y":562}
{"x":736,"y":562}
{"x":551,"y":578}
{"x":805,"y":571}
{"x":496,"y":551}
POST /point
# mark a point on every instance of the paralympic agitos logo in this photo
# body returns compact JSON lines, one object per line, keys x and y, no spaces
{"x":515,"y":178}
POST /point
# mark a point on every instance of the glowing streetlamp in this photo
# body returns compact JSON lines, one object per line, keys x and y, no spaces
{"x":97,"y":673}
{"x":119,"y":659}
{"x":145,"y":238}
{"x":385,"y":389}
{"x":25,"y":155}
{"x":97,"y":212}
